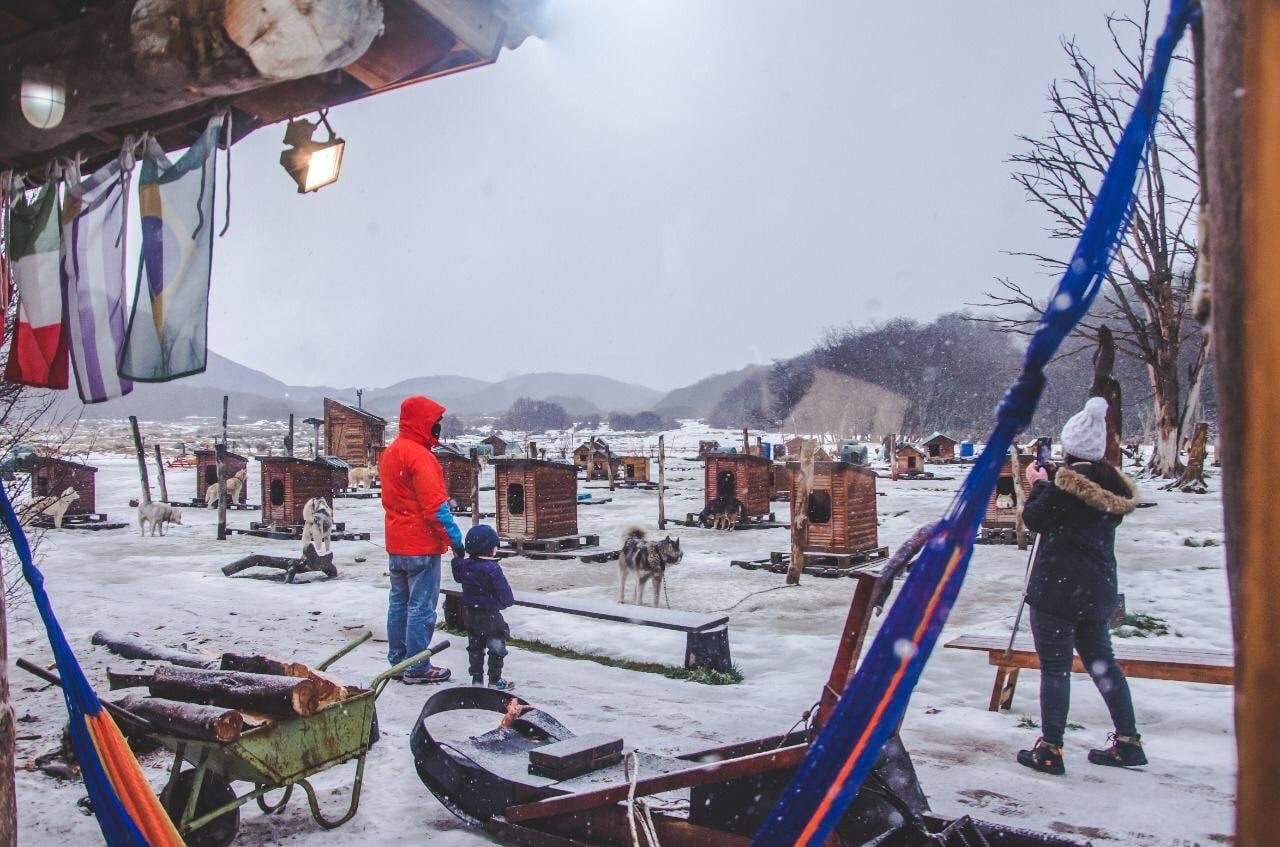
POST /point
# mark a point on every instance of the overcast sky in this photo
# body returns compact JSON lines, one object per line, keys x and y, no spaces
{"x":659,"y":190}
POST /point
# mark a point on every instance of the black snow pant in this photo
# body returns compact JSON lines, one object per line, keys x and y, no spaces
{"x":1055,"y":639}
{"x":486,"y":630}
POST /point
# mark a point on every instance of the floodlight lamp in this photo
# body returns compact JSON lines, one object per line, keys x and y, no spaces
{"x":312,"y":164}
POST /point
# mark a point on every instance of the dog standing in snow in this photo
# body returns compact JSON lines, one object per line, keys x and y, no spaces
{"x":363,"y":477}
{"x":55,"y":507}
{"x":317,"y":523}
{"x":235,"y":484}
{"x":648,"y":560}
{"x":157,"y":514}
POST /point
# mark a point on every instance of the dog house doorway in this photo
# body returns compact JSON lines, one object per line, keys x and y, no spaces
{"x":726,"y":484}
{"x":515,"y":498}
{"x":277,"y":490}
{"x":211,"y":474}
{"x":819,"y":510}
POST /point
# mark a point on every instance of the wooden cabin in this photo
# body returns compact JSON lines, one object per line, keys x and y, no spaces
{"x":738,"y":475}
{"x":603,"y":465}
{"x":940,"y":447}
{"x":459,"y":474}
{"x":635,"y":468}
{"x":497,"y":446}
{"x":910,"y":459}
{"x":339,"y":470}
{"x":841,"y":507}
{"x":50,"y":476}
{"x":707,"y":447}
{"x":353,"y":435}
{"x":780,"y":480}
{"x":996,"y":517}
{"x":207,"y":471}
{"x":535,"y":498}
{"x":288,"y":483}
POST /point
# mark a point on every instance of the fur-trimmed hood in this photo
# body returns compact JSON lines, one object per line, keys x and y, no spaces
{"x":1094,"y":495}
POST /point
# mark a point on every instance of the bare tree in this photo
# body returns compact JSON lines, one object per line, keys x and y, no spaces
{"x":1147,"y":298}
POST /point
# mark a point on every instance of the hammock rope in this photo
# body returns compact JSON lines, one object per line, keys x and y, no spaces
{"x":875,"y":699}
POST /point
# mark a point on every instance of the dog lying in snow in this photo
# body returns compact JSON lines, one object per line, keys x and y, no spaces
{"x":157,"y":514}
{"x":363,"y":477}
{"x":56,"y":507}
{"x":317,"y":523}
{"x":648,"y":560}
{"x":235,"y":484}
{"x":722,"y":513}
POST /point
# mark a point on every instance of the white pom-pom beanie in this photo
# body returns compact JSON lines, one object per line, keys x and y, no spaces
{"x":1085,"y":435}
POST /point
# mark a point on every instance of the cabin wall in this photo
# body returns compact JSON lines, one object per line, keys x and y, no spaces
{"x":550,"y":501}
{"x":751,"y":480}
{"x":904,"y":461}
{"x":351,"y":436}
{"x":635,"y":469}
{"x":51,"y":478}
{"x":207,"y":471}
{"x":997,"y":518}
{"x":299,"y":482}
{"x":458,"y":474}
{"x":853,"y":526}
{"x":941,"y":450}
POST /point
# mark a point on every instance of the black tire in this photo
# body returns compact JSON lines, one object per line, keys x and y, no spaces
{"x":214,"y":792}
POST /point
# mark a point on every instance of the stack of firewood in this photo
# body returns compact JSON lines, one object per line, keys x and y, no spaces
{"x":208,"y":698}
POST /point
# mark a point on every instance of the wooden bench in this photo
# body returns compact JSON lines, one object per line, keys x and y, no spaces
{"x":707,"y":635}
{"x":1180,"y":664}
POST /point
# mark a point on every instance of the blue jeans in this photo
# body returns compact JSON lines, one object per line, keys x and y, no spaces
{"x":411,"y":612}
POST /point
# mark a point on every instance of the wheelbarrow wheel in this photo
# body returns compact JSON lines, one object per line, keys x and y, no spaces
{"x":214,"y":792}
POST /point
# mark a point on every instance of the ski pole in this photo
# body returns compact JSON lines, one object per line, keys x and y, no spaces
{"x":1026,"y":584}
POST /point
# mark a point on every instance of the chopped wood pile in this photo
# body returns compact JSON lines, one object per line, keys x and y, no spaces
{"x":213,"y":698}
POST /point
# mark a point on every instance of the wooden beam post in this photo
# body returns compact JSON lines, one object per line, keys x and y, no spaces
{"x":142,"y":459}
{"x":222,"y":476}
{"x":662,"y":482}
{"x":1020,"y":528}
{"x":746,"y":441}
{"x":164,"y":488}
{"x":800,"y":488}
{"x":1241,"y":170}
{"x":1107,"y":387}
{"x":288,"y":439}
{"x":475,"y":486}
{"x":8,"y":739}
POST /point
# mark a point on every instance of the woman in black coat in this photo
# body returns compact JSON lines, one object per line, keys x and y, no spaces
{"x":1072,"y":590}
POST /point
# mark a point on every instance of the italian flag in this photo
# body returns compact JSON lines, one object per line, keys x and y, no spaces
{"x":38,"y":353}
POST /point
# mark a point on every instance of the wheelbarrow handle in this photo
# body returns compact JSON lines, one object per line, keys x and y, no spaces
{"x":381,"y":679}
{"x":347,"y":648}
{"x":53,"y":679}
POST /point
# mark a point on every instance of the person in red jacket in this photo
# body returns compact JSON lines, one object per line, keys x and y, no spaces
{"x":419,"y":527}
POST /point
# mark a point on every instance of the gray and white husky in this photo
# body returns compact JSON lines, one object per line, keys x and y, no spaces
{"x":648,"y":560}
{"x":158,"y":515}
{"x":317,"y":523}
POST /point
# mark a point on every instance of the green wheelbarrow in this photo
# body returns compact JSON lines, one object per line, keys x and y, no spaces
{"x":278,"y":755}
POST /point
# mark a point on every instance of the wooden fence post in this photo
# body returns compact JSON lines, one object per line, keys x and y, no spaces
{"x":662,"y":482}
{"x":222,"y":476}
{"x":800,"y":512}
{"x":1020,"y":529}
{"x":475,"y":487}
{"x":164,"y":488}
{"x":142,"y":459}
{"x":8,"y":739}
{"x":288,"y":441}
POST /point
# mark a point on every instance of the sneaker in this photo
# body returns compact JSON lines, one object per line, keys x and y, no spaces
{"x":1124,"y":752}
{"x":502,"y":685}
{"x":432,"y":674}
{"x":1043,"y":757}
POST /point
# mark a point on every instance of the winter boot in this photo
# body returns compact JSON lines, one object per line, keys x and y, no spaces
{"x":477,"y":680}
{"x":1043,"y":757}
{"x":1124,"y":752}
{"x":502,"y":685}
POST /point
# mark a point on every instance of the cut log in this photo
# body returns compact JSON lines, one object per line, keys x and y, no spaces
{"x":190,"y":720}
{"x":130,"y":676}
{"x":255,"y":692}
{"x":329,"y":691}
{"x":129,"y":646}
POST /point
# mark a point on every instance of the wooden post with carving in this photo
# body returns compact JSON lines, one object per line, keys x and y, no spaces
{"x":1107,"y":387}
{"x":164,"y":488}
{"x":1020,"y":529}
{"x":662,"y":482}
{"x":800,"y":488}
{"x":142,"y":459}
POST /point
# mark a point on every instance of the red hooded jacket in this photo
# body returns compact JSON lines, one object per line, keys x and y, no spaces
{"x":414,"y":497}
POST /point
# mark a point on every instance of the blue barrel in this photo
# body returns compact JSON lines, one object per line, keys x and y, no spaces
{"x":966,"y":449}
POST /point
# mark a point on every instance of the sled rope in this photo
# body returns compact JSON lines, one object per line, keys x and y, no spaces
{"x":873,"y":703}
{"x":128,"y":812}
{"x":637,"y":808}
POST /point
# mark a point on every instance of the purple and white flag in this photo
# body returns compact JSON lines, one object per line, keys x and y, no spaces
{"x":93,"y":220}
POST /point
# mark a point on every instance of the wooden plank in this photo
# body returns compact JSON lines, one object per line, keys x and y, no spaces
{"x":787,"y":757}
{"x":643,"y":615}
{"x":1193,"y":655}
{"x":1204,"y":666}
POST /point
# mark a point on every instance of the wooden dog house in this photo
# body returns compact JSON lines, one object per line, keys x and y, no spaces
{"x":50,"y":476}
{"x":459,"y":475}
{"x":941,"y":448}
{"x":288,"y":483}
{"x":910,"y":459}
{"x":780,"y":480}
{"x":1007,"y":518}
{"x":738,"y":475}
{"x":207,"y":471}
{"x":497,"y":446}
{"x":353,"y":435}
{"x":841,"y":508}
{"x":535,"y":498}
{"x":635,"y":468}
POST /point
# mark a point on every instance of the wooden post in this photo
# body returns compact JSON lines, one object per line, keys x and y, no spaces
{"x":164,"y":488}
{"x":1241,"y":166}
{"x":891,"y":449}
{"x":662,"y":482}
{"x":1107,"y":387}
{"x":288,"y":439}
{"x":1020,"y":529}
{"x":800,"y":488}
{"x":142,"y":459}
{"x":746,"y":441}
{"x":8,"y":738}
{"x":475,"y":487}
{"x":218,"y":453}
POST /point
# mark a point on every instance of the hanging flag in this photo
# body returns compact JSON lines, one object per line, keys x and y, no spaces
{"x":167,"y":335}
{"x":93,"y":217}
{"x":38,"y":353}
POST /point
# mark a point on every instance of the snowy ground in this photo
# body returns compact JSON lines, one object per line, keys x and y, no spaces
{"x":171,"y":591}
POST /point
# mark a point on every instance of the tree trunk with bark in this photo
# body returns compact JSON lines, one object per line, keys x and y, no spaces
{"x":1107,"y":387}
{"x":1192,"y":479}
{"x":190,"y":720}
{"x":254,"y":692}
{"x":129,"y":646}
{"x":802,"y":484}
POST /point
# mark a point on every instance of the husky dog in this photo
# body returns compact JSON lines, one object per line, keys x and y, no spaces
{"x":722,"y":513}
{"x":648,"y":560}
{"x":55,"y":507}
{"x":366,"y":477}
{"x":157,"y":514}
{"x":235,"y":484}
{"x":317,"y":523}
